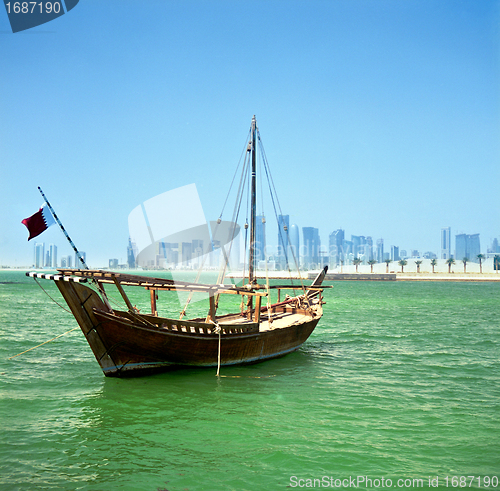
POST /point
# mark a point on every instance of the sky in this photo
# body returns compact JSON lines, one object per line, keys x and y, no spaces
{"x":381,"y":117}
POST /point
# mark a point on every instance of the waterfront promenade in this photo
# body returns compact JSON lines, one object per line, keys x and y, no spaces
{"x":393,"y":276}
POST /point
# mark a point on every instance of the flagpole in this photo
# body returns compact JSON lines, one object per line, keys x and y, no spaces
{"x":63,"y":229}
{"x":99,"y":286}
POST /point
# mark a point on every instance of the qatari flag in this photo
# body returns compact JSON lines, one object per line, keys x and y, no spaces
{"x":39,"y":222}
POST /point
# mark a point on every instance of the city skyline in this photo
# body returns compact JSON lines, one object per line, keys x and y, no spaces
{"x":380,"y":118}
{"x":311,"y":250}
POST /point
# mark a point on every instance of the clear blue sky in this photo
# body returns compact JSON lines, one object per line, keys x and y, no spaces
{"x":379,"y":117}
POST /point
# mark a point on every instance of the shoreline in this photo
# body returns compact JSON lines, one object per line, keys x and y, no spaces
{"x":411,"y":276}
{"x":350,"y":276}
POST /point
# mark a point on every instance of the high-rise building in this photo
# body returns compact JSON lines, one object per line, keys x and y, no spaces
{"x":460,"y":246}
{"x":362,"y":247}
{"x":467,"y":246}
{"x":369,"y":248}
{"x":260,"y":238}
{"x":53,"y":255}
{"x":335,"y":245}
{"x":446,"y":243}
{"x":39,"y":254}
{"x":312,"y":244}
{"x":186,"y":251}
{"x":395,"y":253}
{"x":495,"y":247}
{"x":66,"y":262}
{"x":380,"y":250}
{"x":358,"y":241}
{"x":294,"y":247}
{"x":78,"y":263}
{"x":283,"y":241}
{"x":132,"y":254}
{"x":347,"y":252}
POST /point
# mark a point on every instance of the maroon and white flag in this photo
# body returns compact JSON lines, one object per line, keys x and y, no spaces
{"x":39,"y":222}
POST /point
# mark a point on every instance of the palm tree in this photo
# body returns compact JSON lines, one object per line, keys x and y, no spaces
{"x":402,"y":263}
{"x":387,"y":261}
{"x":433,"y":264}
{"x":418,"y":263}
{"x":496,"y":262}
{"x":480,"y":257}
{"x":341,"y":265}
{"x":449,"y":262}
{"x":356,"y":261}
{"x":371,"y":262}
{"x":465,"y":260}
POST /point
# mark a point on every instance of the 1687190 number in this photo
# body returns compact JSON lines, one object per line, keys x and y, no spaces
{"x":468,"y":481}
{"x":33,"y":7}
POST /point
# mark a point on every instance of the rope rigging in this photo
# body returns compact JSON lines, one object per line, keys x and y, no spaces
{"x":244,"y":168}
{"x":274,"y":195}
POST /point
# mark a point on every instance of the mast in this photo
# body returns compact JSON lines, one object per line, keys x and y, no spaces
{"x":251,"y":262}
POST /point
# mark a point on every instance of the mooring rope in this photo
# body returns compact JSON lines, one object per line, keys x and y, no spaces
{"x":218,"y":330}
{"x":51,"y":297}
{"x":77,"y":327}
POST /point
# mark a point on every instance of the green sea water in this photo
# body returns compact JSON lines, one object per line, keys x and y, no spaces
{"x":400,"y":381}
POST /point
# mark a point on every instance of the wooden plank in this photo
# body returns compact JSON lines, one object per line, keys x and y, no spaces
{"x":123,"y":294}
{"x":212,"y":313}
{"x":156,"y":283}
{"x":153,"y":303}
{"x":258,"y":301}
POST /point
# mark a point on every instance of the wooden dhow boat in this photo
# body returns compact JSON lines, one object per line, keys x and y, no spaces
{"x":127,"y":342}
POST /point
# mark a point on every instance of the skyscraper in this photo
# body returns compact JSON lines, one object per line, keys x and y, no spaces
{"x":347,"y":254}
{"x":78,"y":263}
{"x":357,"y":242}
{"x":311,"y":247}
{"x":446,"y":243}
{"x":260,"y":238}
{"x":294,"y":247}
{"x":132,"y":253}
{"x":467,"y":246}
{"x":53,"y":255}
{"x":474,"y":247}
{"x":335,"y":245}
{"x":395,"y":253}
{"x":495,"y":247}
{"x":39,"y":254}
{"x":369,"y":248}
{"x":283,"y":242}
{"x":380,"y":250}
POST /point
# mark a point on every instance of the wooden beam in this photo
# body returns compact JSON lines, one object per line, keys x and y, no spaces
{"x":258,"y":301}
{"x":213,"y":310}
{"x":123,"y":294}
{"x":153,"y":303}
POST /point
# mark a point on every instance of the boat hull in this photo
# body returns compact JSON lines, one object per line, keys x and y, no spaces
{"x":129,"y":345}
{"x":135,"y":347}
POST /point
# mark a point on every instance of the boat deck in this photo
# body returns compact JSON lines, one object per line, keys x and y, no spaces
{"x":279,"y":320}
